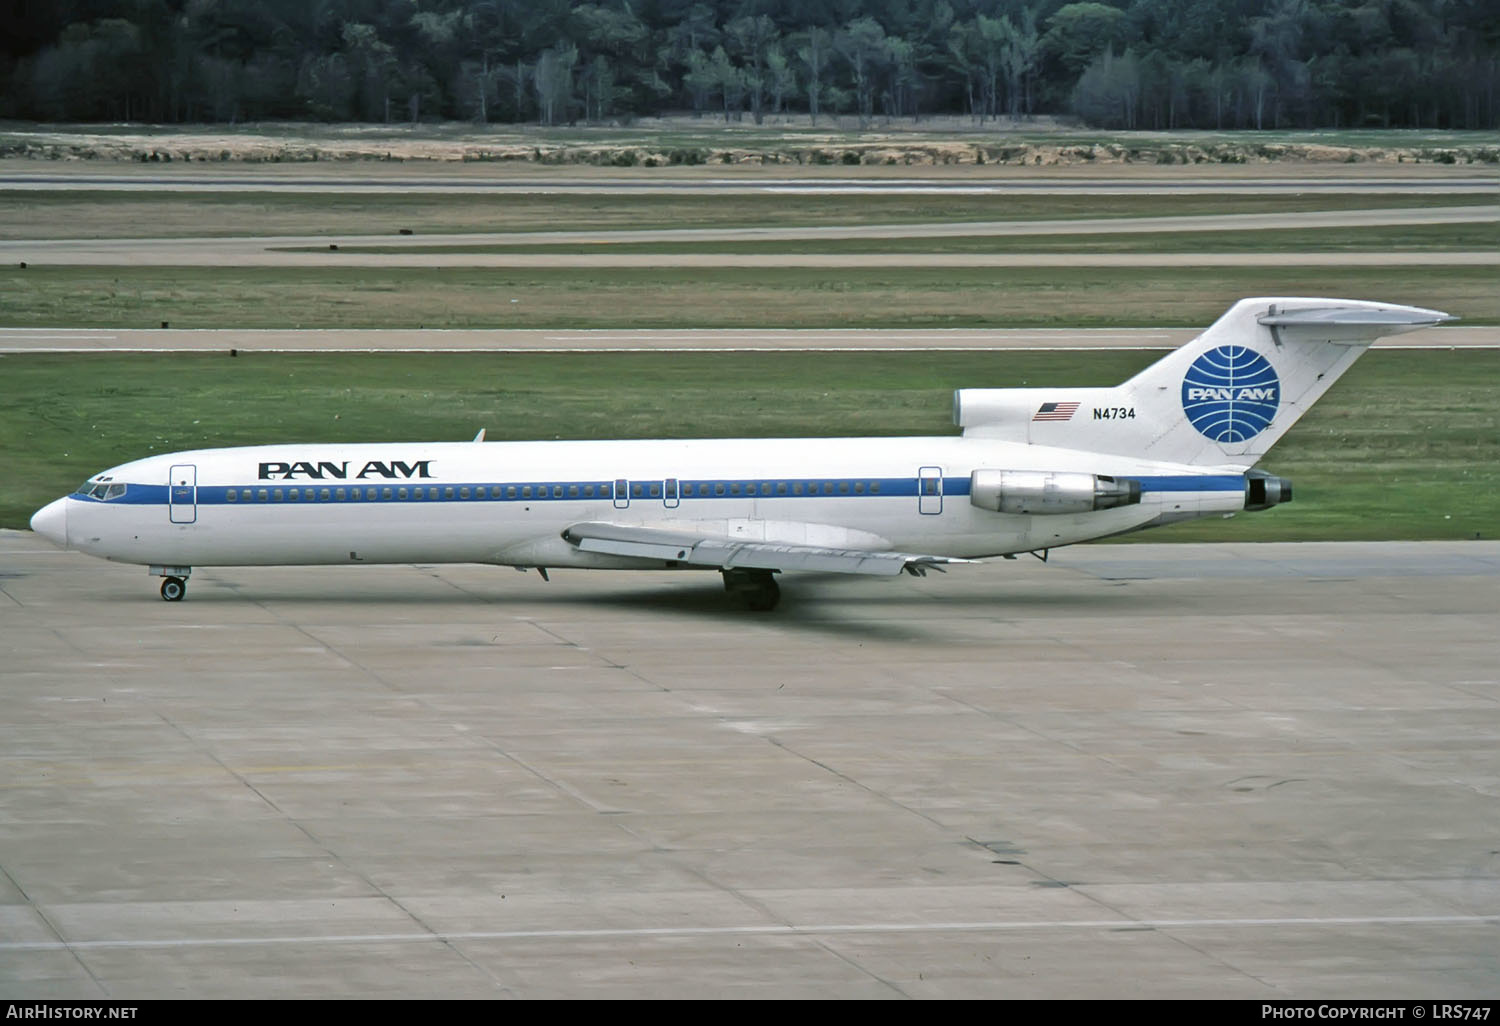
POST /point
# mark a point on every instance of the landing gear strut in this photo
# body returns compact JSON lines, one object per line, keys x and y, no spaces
{"x":754,"y":589}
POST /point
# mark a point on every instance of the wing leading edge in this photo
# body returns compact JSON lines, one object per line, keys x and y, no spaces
{"x":731,"y":553}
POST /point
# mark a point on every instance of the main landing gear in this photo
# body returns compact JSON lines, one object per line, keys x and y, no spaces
{"x":754,"y":589}
{"x":174,"y":581}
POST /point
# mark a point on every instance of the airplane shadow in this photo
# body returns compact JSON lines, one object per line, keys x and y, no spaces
{"x":810,"y":603}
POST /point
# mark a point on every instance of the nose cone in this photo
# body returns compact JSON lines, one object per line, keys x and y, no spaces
{"x":51,"y":522}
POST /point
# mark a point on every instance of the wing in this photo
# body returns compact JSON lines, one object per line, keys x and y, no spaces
{"x":726,"y":553}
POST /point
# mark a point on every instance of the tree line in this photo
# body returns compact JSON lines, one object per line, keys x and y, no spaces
{"x":1134,"y":64}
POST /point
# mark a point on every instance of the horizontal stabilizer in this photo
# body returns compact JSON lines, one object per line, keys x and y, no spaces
{"x":1345,"y":323}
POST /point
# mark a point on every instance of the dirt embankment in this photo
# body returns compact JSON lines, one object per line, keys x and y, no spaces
{"x":652,"y":150}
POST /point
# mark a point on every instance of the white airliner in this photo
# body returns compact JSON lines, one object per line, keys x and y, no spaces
{"x":1034,"y":469}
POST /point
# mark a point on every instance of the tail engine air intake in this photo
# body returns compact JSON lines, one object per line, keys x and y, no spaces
{"x":1262,"y":491}
{"x":1043,"y":492}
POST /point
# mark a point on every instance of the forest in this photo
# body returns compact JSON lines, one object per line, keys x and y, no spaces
{"x":1130,"y":64}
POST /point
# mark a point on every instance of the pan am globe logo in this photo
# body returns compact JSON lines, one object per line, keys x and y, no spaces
{"x":1230,"y":394}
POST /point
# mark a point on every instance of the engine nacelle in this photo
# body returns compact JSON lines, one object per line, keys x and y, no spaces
{"x":1262,"y":491}
{"x":1043,"y":492}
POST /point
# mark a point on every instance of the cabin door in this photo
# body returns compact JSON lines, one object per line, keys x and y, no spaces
{"x":182,"y":494}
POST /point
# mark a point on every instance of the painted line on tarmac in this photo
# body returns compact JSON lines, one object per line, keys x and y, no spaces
{"x":773,"y":930}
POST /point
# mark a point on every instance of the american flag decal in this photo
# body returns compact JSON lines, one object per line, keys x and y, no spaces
{"x":1056,"y":411}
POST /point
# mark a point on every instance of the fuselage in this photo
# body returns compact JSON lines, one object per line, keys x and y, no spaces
{"x":509,"y":502}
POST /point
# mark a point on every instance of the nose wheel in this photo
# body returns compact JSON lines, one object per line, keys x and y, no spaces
{"x":173,"y":588}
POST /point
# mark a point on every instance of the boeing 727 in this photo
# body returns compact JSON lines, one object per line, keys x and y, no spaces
{"x":1034,"y":469}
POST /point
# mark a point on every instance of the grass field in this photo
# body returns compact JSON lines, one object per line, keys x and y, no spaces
{"x":671,"y":298}
{"x":1406,"y":446}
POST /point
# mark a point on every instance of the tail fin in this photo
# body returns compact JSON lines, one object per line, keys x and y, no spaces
{"x":1221,"y":400}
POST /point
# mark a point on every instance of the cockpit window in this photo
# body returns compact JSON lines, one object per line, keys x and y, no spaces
{"x":115,"y":491}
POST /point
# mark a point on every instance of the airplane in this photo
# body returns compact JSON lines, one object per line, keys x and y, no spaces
{"x":1034,"y":469}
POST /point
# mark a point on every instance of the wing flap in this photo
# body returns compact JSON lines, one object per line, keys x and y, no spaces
{"x":729,"y":553}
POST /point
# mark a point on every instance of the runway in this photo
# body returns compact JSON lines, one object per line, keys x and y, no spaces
{"x":1213,"y":771}
{"x":222,"y":340}
{"x":494,"y":249}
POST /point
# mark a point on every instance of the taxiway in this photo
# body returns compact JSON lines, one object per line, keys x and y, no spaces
{"x":1214,"y":771}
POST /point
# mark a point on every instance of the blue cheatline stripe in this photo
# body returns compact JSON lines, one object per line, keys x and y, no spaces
{"x":603,"y":491}
{"x":1193,"y":483}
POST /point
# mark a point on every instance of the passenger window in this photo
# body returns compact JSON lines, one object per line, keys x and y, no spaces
{"x":401,"y":493}
{"x":276,"y":495}
{"x":417,"y":494}
{"x":447,"y":493}
{"x":245,"y":494}
{"x":765,"y":489}
{"x":572,"y":491}
{"x":827,"y":487}
{"x":636,"y":491}
{"x":385,"y":493}
{"x":718,"y":489}
{"x":323,"y":495}
{"x":588,"y":491}
{"x":557,"y":491}
{"x":843,"y":487}
{"x":796,"y":487}
{"x":780,"y":487}
{"x":463,"y":493}
{"x":655,"y":491}
{"x":734,"y":488}
{"x":230,"y":496}
{"x":687,"y":489}
{"x":859,"y":488}
{"x":874,"y":487}
{"x":260,"y":496}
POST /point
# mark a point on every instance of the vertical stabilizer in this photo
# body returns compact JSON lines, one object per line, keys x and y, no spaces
{"x":1221,"y":400}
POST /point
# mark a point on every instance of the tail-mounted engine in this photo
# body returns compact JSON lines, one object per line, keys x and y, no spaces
{"x":1042,"y":492}
{"x":1262,"y":491}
